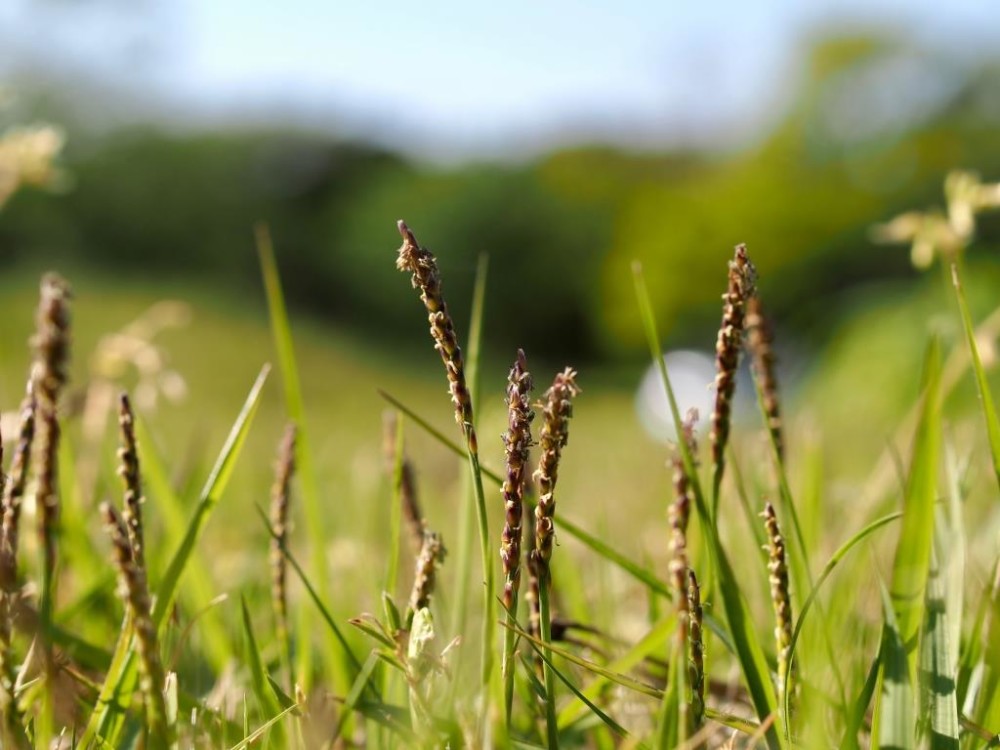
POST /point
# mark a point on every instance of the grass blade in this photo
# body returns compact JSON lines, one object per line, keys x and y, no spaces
{"x":911,"y":564}
{"x":937,"y":668}
{"x":210,"y":494}
{"x":258,"y":675}
{"x":982,"y":384}
{"x":894,"y":723}
{"x":613,"y":725}
{"x":281,"y":331}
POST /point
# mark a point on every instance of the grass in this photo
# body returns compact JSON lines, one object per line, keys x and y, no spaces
{"x":889,"y":631}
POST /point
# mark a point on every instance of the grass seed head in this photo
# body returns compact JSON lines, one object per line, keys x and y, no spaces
{"x":128,"y":470}
{"x":696,"y":650}
{"x":420,"y":262}
{"x":517,"y":444}
{"x":742,"y":284}
{"x":431,"y":555}
{"x":13,"y":492}
{"x":134,"y":591}
{"x":51,"y":343}
{"x":781,"y":599}
{"x":280,"y":500}
{"x":557,"y":410}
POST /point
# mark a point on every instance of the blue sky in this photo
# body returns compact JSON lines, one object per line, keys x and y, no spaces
{"x":466,"y":77}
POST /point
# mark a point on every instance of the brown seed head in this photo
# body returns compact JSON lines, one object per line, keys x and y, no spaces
{"x":128,"y":470}
{"x":13,"y":491}
{"x":517,"y":443}
{"x":742,"y":284}
{"x":431,"y":555}
{"x":51,"y":343}
{"x":280,"y":501}
{"x":555,"y":432}
{"x":781,"y":600}
{"x":696,"y":650}
{"x":419,"y":262}
{"x":134,"y":590}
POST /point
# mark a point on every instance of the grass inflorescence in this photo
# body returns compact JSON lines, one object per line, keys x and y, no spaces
{"x":891,"y":641}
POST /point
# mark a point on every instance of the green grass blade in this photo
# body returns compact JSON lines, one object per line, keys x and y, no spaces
{"x":357,"y":689}
{"x":654,"y":641}
{"x":856,"y":715}
{"x":252,"y":737}
{"x":894,"y":723}
{"x":988,"y":703}
{"x":625,"y":681}
{"x":937,"y":668}
{"x":281,"y":331}
{"x":982,"y":384}
{"x":258,"y":674}
{"x":395,"y":511}
{"x":198,"y":590}
{"x":828,"y":569}
{"x":613,"y":725}
{"x":911,"y":564}
{"x":210,"y":494}
{"x":338,"y":634}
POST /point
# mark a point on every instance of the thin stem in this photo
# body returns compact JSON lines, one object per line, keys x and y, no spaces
{"x":545,"y":626}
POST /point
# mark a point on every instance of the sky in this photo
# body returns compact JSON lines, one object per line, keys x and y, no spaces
{"x":463,"y":78}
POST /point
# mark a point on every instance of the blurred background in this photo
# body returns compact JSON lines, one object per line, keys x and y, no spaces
{"x":563,"y":139}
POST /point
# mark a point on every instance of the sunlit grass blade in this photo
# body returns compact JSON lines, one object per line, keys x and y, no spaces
{"x":210,"y":494}
{"x":911,"y":564}
{"x":625,"y":681}
{"x":937,"y":667}
{"x":988,"y":708}
{"x":252,"y":737}
{"x":982,"y":383}
{"x":828,"y":569}
{"x":281,"y":331}
{"x":395,"y":512}
{"x":894,"y":722}
{"x":465,"y":528}
{"x":258,"y":674}
{"x":856,"y":714}
{"x":613,"y":725}
{"x":354,"y":663}
{"x":357,"y":689}
{"x":673,"y":714}
{"x":198,"y":590}
{"x":653,"y":642}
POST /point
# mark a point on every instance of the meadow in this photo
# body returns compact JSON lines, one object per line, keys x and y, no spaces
{"x":863,"y":612}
